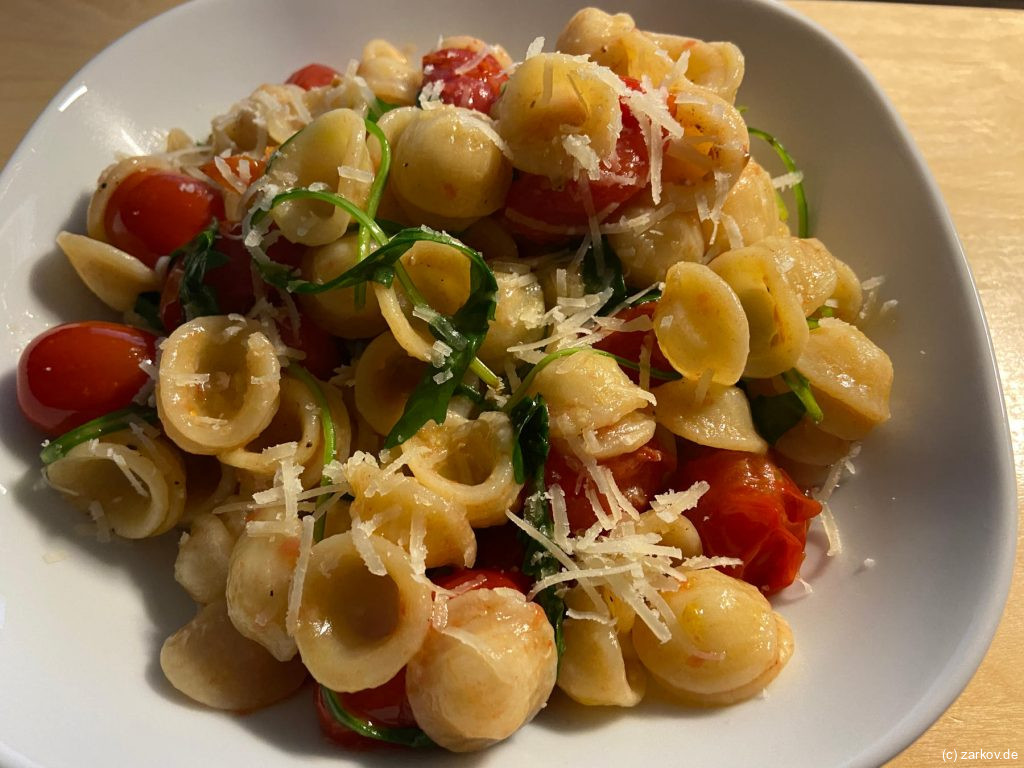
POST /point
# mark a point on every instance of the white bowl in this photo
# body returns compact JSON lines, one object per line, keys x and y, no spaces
{"x":880,"y":652}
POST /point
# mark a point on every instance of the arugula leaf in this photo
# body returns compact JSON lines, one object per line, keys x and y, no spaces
{"x":529,"y":419}
{"x":464,"y":331}
{"x":803,"y":226}
{"x":114,"y":421}
{"x":198,"y":257}
{"x":408,"y":737}
{"x":602,"y":269}
{"x":801,"y":387}
{"x":774,"y":415}
{"x":327,"y":432}
{"x":652,"y":295}
{"x":147,"y":306}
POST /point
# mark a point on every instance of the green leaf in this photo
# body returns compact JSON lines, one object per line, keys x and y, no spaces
{"x":379,"y":108}
{"x":147,"y":306}
{"x":529,"y":419}
{"x":774,"y":415}
{"x":114,"y":421}
{"x":407,"y":737}
{"x":464,"y":331}
{"x":198,"y":257}
{"x":327,"y":431}
{"x":652,"y":295}
{"x":801,"y":387}
{"x":602,"y":269}
{"x":803,"y":225}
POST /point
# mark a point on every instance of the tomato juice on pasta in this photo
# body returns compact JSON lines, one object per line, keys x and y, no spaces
{"x":462,"y":378}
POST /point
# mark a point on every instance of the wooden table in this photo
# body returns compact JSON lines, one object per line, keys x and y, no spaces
{"x":956,"y":75}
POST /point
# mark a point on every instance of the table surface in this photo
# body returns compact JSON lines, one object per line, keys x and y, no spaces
{"x":953,"y":74}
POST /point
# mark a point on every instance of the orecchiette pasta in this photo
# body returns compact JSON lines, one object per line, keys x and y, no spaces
{"x":356,"y":629}
{"x":218,"y":384}
{"x":718,"y":417}
{"x":331,"y":152}
{"x":385,"y":376}
{"x":336,"y":311}
{"x":117,"y":278}
{"x":727,"y":643}
{"x":133,"y":481}
{"x":485,"y":672}
{"x":775,"y":318}
{"x":851,"y":378}
{"x":389,"y":73}
{"x":701,"y":326}
{"x":203,"y":556}
{"x":210,"y":662}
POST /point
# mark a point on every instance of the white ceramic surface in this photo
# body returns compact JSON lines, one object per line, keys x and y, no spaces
{"x":880,"y":652}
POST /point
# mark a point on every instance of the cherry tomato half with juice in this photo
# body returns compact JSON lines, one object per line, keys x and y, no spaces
{"x":385,"y":706}
{"x":640,"y":475}
{"x":473,"y":87}
{"x":77,"y":372}
{"x":753,"y":511}
{"x":152,"y":213}
{"x":312,"y":76}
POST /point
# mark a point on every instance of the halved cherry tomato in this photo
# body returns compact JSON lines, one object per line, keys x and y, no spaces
{"x":753,"y":511}
{"x":484,"y":578}
{"x":152,"y":213}
{"x":77,"y":372}
{"x":629,"y":344}
{"x":476,"y":87}
{"x":312,"y":76}
{"x":386,"y":706}
{"x":321,"y":349}
{"x":640,"y":475}
{"x":535,"y":197}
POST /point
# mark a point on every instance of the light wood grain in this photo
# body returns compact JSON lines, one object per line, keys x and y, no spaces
{"x":956,"y":77}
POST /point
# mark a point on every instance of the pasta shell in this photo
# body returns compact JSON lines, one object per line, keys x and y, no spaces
{"x":851,"y":378}
{"x":727,"y":644}
{"x":335,"y":311}
{"x":357,"y":629}
{"x":485,"y":673}
{"x":115,"y":277}
{"x":700,"y":324}
{"x":218,"y":384}
{"x":719,"y":417}
{"x":778,"y":328}
{"x":385,"y":377}
{"x":211,"y":663}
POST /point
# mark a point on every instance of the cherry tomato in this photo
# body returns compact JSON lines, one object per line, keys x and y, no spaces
{"x":152,"y":213}
{"x":321,"y":350}
{"x":474,"y":88}
{"x":484,"y":578}
{"x":246,"y":169}
{"x":77,"y":372}
{"x":231,"y":282}
{"x":535,"y":197}
{"x":753,"y":511}
{"x":628,"y":344}
{"x":640,"y":475}
{"x":386,"y":706}
{"x":312,"y":76}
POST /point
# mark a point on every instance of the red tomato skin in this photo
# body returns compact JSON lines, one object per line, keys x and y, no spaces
{"x":535,"y":197}
{"x":232,"y":282}
{"x":484,"y":578}
{"x":386,"y":706}
{"x":152,"y":213}
{"x":477,"y":88}
{"x":628,"y":344}
{"x":640,"y":475}
{"x":753,"y":511}
{"x":312,"y":76}
{"x":77,"y":372}
{"x":319,"y":346}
